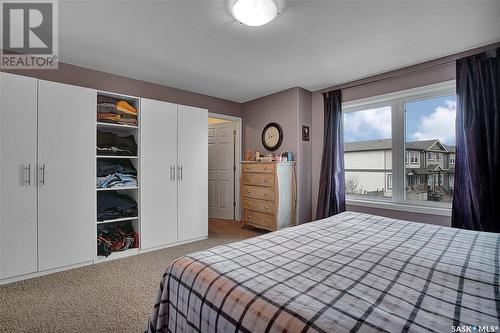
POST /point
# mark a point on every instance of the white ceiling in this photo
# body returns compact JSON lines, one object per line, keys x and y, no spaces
{"x":196,"y":44}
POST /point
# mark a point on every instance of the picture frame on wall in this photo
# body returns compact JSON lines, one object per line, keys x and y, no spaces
{"x":305,"y":133}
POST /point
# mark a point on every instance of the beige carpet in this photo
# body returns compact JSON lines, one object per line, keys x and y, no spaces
{"x":115,"y":296}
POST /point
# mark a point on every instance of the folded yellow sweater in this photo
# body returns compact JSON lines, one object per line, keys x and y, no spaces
{"x":124,"y":107}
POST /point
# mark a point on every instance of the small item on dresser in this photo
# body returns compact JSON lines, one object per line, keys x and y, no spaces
{"x":277,"y":158}
{"x":290,"y":156}
{"x":257,"y":155}
{"x":248,"y":155}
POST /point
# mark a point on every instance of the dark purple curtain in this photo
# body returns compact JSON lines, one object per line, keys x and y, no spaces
{"x":331,"y":198}
{"x":476,"y":201}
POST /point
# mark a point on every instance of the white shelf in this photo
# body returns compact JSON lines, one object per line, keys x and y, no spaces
{"x":111,"y":125}
{"x":119,"y":220}
{"x":117,"y":156}
{"x":117,"y":188}
{"x":117,"y":255}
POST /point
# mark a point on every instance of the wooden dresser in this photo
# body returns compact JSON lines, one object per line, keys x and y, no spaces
{"x":268,"y":195}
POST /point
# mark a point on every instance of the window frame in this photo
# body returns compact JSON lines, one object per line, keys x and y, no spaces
{"x":397,"y":101}
{"x":414,"y":153}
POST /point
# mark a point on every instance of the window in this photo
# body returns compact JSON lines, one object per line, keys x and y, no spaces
{"x":367,"y":151}
{"x":398,"y":146}
{"x":430,"y":124}
{"x":414,"y":157}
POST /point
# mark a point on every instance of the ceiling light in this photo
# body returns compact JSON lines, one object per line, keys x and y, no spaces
{"x":255,"y":12}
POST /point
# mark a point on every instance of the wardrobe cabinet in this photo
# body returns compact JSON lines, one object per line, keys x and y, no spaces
{"x":159,"y":182}
{"x":174,"y":191}
{"x":66,"y":174}
{"x":18,"y":188}
{"x":193,"y":181}
{"x":47,"y":176}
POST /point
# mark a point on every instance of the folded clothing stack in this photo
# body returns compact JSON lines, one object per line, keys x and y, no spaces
{"x":111,"y":144}
{"x":111,"y":205}
{"x":113,"y":238}
{"x":116,"y":173}
{"x":110,"y":110}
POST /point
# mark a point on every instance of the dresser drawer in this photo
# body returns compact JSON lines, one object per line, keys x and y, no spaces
{"x":258,"y":167}
{"x":258,"y":205}
{"x":259,"y":219}
{"x":256,"y":192}
{"x":258,"y":179}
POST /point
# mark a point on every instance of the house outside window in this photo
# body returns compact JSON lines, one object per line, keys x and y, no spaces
{"x":368,"y":157}
{"x":396,"y":146}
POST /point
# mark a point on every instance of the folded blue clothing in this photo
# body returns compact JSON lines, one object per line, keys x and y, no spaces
{"x":117,"y":180}
{"x":107,"y":167}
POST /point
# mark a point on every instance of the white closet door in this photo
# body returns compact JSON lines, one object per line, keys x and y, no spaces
{"x":193,"y":172}
{"x":18,"y":225}
{"x":158,"y":182}
{"x":66,"y":168}
{"x":221,"y":171}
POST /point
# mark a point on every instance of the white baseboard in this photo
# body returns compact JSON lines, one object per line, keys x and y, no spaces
{"x":42,"y":273}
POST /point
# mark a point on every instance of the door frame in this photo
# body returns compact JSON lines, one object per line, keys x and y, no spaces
{"x":237,"y":158}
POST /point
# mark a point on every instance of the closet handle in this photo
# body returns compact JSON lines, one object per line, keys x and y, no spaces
{"x":172,"y":173}
{"x":42,"y":179}
{"x":180,"y":173}
{"x":27,"y":181}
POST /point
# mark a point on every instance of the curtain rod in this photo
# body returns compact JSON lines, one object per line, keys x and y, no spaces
{"x":421,"y":68}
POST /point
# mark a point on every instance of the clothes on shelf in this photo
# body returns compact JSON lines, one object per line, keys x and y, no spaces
{"x":116,"y":173}
{"x":110,"y":110}
{"x":109,"y":143}
{"x":116,"y":237}
{"x":111,"y":205}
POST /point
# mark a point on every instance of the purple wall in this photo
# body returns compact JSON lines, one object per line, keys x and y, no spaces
{"x":291,"y":109}
{"x":90,"y":78}
{"x":304,"y":157}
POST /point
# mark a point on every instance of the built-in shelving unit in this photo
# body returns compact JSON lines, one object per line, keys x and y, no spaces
{"x":132,"y":191}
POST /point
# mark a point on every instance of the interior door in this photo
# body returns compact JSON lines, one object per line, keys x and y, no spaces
{"x":66,"y":180}
{"x":221,"y":170}
{"x":158,"y":180}
{"x":192,"y":173}
{"x":18,"y":224}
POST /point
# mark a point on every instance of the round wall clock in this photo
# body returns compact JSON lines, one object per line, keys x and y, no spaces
{"x":272,"y":136}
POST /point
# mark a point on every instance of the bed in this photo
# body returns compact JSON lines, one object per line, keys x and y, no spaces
{"x":349,"y":273}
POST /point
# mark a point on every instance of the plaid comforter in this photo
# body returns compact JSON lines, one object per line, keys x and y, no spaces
{"x":348,"y":273}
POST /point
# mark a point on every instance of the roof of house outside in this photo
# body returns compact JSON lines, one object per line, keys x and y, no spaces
{"x":386,"y":144}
